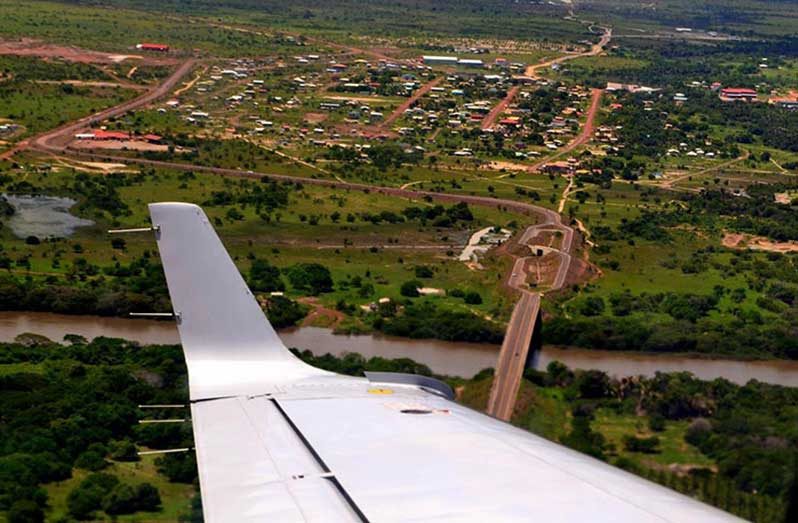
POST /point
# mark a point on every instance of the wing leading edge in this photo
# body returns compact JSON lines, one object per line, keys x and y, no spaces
{"x":280,"y":441}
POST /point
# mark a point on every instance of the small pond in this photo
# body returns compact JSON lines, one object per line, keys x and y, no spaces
{"x":43,"y":216}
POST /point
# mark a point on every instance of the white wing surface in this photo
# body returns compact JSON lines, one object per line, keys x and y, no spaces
{"x":280,"y":441}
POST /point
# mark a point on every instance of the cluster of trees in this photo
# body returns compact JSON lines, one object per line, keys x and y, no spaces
{"x":102,"y":491}
{"x":75,"y":406}
{"x":381,"y":156}
{"x":439,"y":215}
{"x":136,"y":286}
{"x":748,"y":431}
{"x":264,"y":197}
{"x":758,"y":213}
{"x":428,"y":320}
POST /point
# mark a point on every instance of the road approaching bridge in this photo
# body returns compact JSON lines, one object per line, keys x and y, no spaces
{"x":523,"y":331}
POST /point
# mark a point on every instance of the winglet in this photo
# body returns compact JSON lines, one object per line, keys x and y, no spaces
{"x":230,"y":346}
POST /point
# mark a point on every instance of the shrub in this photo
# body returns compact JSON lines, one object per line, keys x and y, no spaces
{"x":645,"y":445}
{"x":410,"y":288}
{"x":25,"y":511}
{"x":656,"y":422}
{"x":472,"y":298}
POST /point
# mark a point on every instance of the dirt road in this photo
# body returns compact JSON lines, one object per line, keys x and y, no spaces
{"x":54,"y":141}
{"x":407,"y":104}
{"x":494,"y":113}
{"x":584,"y":136}
{"x":595,"y":50}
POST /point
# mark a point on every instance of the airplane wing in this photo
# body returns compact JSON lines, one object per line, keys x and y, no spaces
{"x":280,"y":441}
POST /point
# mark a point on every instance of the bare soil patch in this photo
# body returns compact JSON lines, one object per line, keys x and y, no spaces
{"x":31,"y":47}
{"x":757,"y":243}
{"x":315,"y":117}
{"x":126,"y":145}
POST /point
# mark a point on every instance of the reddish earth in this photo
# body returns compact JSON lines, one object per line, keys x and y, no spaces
{"x":758,"y":243}
{"x":321,"y":314}
{"x":314,"y":117}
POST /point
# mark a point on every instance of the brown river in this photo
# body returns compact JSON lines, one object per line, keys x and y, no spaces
{"x":450,"y":358}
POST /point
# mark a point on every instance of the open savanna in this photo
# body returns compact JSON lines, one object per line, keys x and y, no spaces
{"x":314,"y":227}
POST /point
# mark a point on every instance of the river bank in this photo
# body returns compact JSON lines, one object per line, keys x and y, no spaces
{"x":442,"y":357}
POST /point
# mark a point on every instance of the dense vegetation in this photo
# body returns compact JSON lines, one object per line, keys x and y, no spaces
{"x":747,"y":432}
{"x":91,"y":391}
{"x":743,"y":438}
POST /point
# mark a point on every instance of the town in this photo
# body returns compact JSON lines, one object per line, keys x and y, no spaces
{"x":580,"y":217}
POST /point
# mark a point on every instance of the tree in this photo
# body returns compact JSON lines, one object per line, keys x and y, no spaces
{"x":265,"y":277}
{"x":311,"y":277}
{"x":121,"y":500}
{"x":148,"y":497}
{"x":472,"y":298}
{"x":656,"y":422}
{"x":91,"y":460}
{"x":283,"y":312}
{"x":123,"y":450}
{"x":25,"y":511}
{"x":423,"y":271}
{"x":592,"y":306}
{"x":792,"y":494}
{"x":583,"y":438}
{"x":593,"y":384}
{"x":88,"y":496}
{"x":410,"y":288}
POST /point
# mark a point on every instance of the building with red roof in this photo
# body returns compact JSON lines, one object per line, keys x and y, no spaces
{"x":161,"y":48}
{"x":738,"y":93}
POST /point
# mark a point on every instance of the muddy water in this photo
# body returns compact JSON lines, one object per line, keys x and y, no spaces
{"x":451,"y":358}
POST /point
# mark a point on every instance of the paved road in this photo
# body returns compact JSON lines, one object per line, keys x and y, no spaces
{"x":510,"y":366}
{"x":515,"y":349}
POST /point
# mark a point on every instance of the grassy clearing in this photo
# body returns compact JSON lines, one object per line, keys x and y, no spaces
{"x":673,"y":448}
{"x":176,"y":497}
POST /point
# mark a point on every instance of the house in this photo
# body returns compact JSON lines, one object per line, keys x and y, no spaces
{"x":737,"y":93}
{"x":160,"y":48}
{"x":102,"y":135}
{"x":560,"y":167}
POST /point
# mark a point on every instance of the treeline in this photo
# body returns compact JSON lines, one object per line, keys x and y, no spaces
{"x":137,"y":287}
{"x":737,"y":337}
{"x":755,"y":212}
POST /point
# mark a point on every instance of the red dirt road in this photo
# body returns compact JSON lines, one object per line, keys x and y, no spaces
{"x":421,"y":91}
{"x":494,"y":113}
{"x":590,"y":122}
